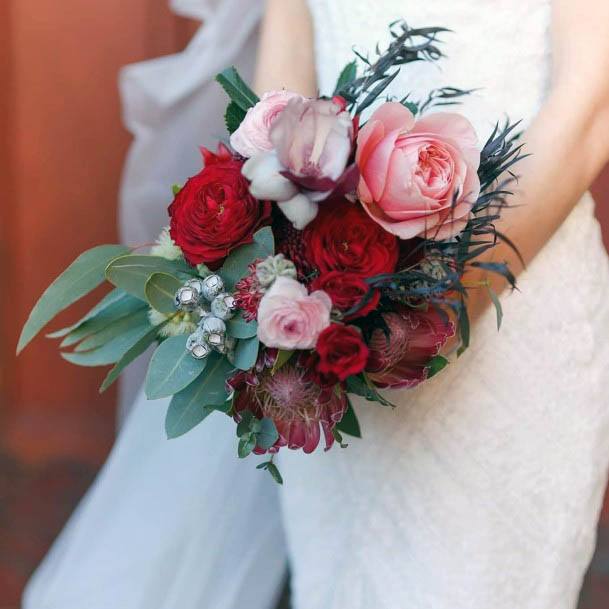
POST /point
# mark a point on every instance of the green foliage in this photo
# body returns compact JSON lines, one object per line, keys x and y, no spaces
{"x":82,"y":276}
{"x":233,"y":117}
{"x":160,"y":290}
{"x":237,"y":90}
{"x":254,"y":432}
{"x":172,"y":368}
{"x":237,"y":327}
{"x":130,"y":273}
{"x":414,"y":108}
{"x":361,"y":385}
{"x":236,"y":264}
{"x":175,"y":189}
{"x":194,"y":403}
{"x":283,"y":357}
{"x":113,"y":329}
{"x":131,"y":354}
{"x":113,"y":350}
{"x":98,"y":319}
{"x":246,"y":353}
{"x":271,"y":468}
{"x":349,"y":423}
{"x":435,"y":365}
{"x":495,"y":300}
{"x":347,"y":76}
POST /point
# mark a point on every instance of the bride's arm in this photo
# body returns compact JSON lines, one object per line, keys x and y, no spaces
{"x":568,"y":141}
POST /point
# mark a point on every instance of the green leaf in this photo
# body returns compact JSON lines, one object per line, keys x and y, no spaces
{"x":497,"y":304}
{"x":131,"y":354}
{"x":112,"y":351}
{"x":267,"y":434}
{"x":160,"y":290}
{"x":283,"y":357}
{"x":348,"y":75}
{"x":464,"y":329}
{"x":362,"y":386}
{"x":131,"y":272}
{"x":349,"y":423}
{"x":112,"y":330}
{"x":246,"y":445}
{"x":172,"y":368}
{"x":175,"y":189}
{"x":233,"y":117}
{"x":236,"y":264}
{"x":82,"y":276}
{"x":414,"y":108}
{"x":272,"y":469}
{"x":435,"y":365}
{"x":125,"y":306}
{"x":246,"y":424}
{"x":246,"y":353}
{"x":109,"y":299}
{"x":239,"y":328}
{"x":192,"y":405}
{"x":237,"y":89}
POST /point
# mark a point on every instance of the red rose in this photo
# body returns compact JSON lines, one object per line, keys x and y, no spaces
{"x":215,"y":213}
{"x":344,"y":238}
{"x":342,"y":351}
{"x":346,"y":291}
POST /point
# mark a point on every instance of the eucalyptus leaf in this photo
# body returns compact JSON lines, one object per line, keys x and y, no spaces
{"x":272,"y":469}
{"x":82,"y":276}
{"x":246,"y":445}
{"x":246,"y":353}
{"x":236,"y":265}
{"x":112,"y":330}
{"x":112,"y":351}
{"x":131,"y":354}
{"x":160,"y":291}
{"x":240,"y":328}
{"x":131,"y":273}
{"x":349,"y":423}
{"x":118,"y":309}
{"x":267,"y":434}
{"x":194,"y":403}
{"x":172,"y":368}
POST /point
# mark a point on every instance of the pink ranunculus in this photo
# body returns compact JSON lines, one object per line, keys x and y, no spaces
{"x":313,"y":139}
{"x":418,"y":177}
{"x":252,"y":136}
{"x":291,"y":318}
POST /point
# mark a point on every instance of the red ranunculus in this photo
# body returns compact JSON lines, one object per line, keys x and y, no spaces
{"x":346,"y":291}
{"x":344,"y":238}
{"x":342,"y":351}
{"x":214,"y":212}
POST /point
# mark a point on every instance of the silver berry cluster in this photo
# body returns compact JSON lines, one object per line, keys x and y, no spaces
{"x":215,"y":306}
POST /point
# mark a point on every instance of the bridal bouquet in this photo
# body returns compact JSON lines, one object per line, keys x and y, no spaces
{"x":322,"y":253}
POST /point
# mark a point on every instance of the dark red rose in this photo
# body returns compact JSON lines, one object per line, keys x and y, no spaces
{"x":415,"y":337}
{"x":214,"y":212}
{"x":342,"y":351}
{"x":346,"y":291}
{"x":344,"y":238}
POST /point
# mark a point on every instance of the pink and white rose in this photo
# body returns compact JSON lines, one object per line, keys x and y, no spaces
{"x":253,"y":135}
{"x":418,"y":178}
{"x":291,"y":318}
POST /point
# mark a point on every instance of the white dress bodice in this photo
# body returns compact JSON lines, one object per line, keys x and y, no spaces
{"x":501,"y":48}
{"x":483,"y":488}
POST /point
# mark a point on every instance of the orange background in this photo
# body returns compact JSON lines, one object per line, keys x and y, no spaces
{"x":61,"y":153}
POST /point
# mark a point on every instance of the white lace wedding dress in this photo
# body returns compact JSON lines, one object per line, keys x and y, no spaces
{"x":481,"y":491}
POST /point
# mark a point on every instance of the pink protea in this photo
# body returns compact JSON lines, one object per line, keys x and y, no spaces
{"x":248,"y":293}
{"x":299,"y":407}
{"x":402,"y":358}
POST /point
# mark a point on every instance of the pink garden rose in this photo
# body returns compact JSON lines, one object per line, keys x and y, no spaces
{"x":418,"y":177}
{"x":291,"y":318}
{"x":253,"y":133}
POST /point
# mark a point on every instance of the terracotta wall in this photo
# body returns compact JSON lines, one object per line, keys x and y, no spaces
{"x":63,"y":148}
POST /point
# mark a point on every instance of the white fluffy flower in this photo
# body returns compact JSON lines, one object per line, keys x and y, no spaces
{"x":181,"y":323}
{"x":165,"y":246}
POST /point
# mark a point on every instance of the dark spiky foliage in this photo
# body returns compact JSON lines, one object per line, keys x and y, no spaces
{"x":407,"y":45}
